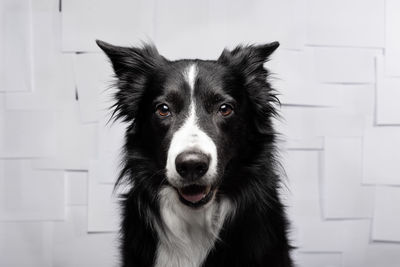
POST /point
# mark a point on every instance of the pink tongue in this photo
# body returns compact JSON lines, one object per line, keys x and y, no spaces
{"x":193,"y":198}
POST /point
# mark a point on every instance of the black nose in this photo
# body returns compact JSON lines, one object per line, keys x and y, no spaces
{"x":192,"y":165}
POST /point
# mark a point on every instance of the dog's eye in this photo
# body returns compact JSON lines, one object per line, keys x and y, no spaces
{"x":163,"y":110}
{"x":225,"y":110}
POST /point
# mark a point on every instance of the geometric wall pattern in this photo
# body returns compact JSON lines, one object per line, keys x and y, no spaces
{"x":338,"y":75}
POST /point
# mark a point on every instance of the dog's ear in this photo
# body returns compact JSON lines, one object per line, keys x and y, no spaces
{"x":131,"y":59}
{"x":249,"y":60}
{"x":133,"y":68}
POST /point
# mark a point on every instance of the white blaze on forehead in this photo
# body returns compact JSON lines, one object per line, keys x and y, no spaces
{"x":190,"y":76}
{"x":190,"y":137}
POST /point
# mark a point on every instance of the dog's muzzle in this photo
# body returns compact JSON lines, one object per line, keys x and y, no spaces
{"x":192,"y":166}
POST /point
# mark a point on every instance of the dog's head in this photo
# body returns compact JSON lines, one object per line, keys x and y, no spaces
{"x":193,"y":117}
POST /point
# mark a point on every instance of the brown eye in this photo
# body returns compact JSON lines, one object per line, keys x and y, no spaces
{"x":225,"y":110}
{"x":163,"y":110}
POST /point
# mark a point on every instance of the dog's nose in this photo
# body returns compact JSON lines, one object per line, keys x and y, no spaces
{"x":192,"y":165}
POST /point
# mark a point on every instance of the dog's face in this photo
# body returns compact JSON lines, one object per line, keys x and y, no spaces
{"x":191,"y":116}
{"x":197,"y":119}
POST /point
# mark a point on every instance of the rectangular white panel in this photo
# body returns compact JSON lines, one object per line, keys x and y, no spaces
{"x":111,"y":138}
{"x":381,"y":156}
{"x":74,"y":246}
{"x":345,"y":65}
{"x":302,"y":170}
{"x":29,"y":194}
{"x":386,"y":218}
{"x":300,"y":123}
{"x":94,"y":82}
{"x":103,"y":209}
{"x":122,"y":22}
{"x":257,"y":21}
{"x":76,"y":188}
{"x":16,"y":45}
{"x":201,"y":29}
{"x":382,"y":254}
{"x":76,"y":143}
{"x":53,"y":71}
{"x":346,"y":23}
{"x":26,"y":244}
{"x":183,"y":30}
{"x":392,"y":37}
{"x":329,"y":237}
{"x":26,"y":134}
{"x":293,"y":77}
{"x":387,"y":96}
{"x":356,"y":238}
{"x":301,"y":194}
{"x":332,"y":259}
{"x":343,"y":194}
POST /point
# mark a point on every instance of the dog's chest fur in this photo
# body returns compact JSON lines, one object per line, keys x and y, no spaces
{"x":187,"y":235}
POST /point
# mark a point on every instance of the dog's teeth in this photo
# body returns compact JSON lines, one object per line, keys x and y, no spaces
{"x":208,"y":189}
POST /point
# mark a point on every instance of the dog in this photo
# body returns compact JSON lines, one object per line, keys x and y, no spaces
{"x":199,"y":158}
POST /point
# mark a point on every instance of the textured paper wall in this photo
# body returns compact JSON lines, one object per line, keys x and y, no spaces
{"x":338,"y":74}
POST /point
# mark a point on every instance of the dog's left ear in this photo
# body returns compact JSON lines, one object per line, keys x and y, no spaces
{"x":248,"y":59}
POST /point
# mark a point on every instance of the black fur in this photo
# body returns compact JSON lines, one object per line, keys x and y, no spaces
{"x":248,"y":170}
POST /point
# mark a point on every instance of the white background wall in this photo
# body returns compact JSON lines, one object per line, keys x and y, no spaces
{"x":338,"y":72}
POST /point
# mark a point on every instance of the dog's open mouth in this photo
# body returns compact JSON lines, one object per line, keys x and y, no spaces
{"x":195,"y":195}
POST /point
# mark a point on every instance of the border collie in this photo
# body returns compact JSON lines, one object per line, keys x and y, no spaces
{"x":199,"y":159}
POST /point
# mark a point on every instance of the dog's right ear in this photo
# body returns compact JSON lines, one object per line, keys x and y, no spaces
{"x":131,"y":59}
{"x":133,"y":68}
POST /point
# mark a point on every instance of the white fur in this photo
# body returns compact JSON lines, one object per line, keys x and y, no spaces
{"x":190,"y":137}
{"x":187,"y":235}
{"x":190,"y":76}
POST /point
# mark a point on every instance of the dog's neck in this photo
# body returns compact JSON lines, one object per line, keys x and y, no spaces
{"x":186,"y":235}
